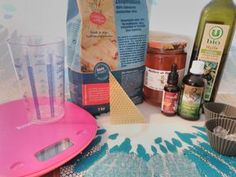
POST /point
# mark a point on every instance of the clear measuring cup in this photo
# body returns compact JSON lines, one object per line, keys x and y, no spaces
{"x":39,"y":65}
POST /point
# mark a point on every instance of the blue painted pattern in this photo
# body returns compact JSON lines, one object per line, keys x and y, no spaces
{"x":141,"y":151}
{"x":196,"y":158}
{"x":113,"y":136}
{"x":124,"y":147}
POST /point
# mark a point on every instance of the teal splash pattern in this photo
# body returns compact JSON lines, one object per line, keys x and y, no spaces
{"x":168,"y":158}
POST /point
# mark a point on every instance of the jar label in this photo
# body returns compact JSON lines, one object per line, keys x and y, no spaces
{"x":190,"y":101}
{"x":157,"y":79}
{"x":211,"y":51}
{"x":169,"y":102}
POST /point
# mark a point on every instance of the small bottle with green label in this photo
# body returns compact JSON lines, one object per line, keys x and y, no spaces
{"x":212,"y":42}
{"x":192,"y":92}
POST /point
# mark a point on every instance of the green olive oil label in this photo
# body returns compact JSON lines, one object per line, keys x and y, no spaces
{"x":190,"y":102}
{"x":211,"y":51}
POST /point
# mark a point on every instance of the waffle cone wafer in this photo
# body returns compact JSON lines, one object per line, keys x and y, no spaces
{"x":122,"y":109}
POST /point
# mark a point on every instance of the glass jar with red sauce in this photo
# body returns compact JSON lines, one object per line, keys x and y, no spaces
{"x":160,"y":56}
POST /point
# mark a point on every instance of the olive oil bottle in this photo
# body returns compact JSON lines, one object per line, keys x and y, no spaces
{"x":212,"y":42}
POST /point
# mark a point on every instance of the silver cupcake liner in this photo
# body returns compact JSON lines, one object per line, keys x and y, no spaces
{"x":219,"y":144}
{"x":219,"y":110}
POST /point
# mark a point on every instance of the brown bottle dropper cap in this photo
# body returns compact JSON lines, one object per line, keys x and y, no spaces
{"x":173,"y":76}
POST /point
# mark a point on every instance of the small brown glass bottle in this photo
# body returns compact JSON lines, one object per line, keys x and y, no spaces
{"x":192,"y":92}
{"x":171,"y":93}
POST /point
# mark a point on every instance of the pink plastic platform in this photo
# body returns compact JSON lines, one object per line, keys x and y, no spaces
{"x":33,"y":150}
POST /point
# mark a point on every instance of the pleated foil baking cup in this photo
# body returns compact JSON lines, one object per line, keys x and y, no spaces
{"x":219,"y":110}
{"x":219,"y":144}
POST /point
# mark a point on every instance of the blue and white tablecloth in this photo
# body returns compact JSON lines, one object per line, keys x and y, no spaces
{"x":164,"y":146}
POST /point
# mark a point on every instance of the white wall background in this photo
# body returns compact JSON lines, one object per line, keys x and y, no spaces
{"x":178,"y":16}
{"x":48,"y":16}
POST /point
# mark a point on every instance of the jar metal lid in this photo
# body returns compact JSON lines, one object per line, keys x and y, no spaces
{"x":167,"y":43}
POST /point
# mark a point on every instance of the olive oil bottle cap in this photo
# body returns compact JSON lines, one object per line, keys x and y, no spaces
{"x":197,"y":67}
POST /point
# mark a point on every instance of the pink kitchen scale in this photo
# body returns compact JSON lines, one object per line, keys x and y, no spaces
{"x":35,"y":149}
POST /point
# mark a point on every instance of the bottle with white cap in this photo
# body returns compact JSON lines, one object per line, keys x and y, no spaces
{"x":192,"y":92}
